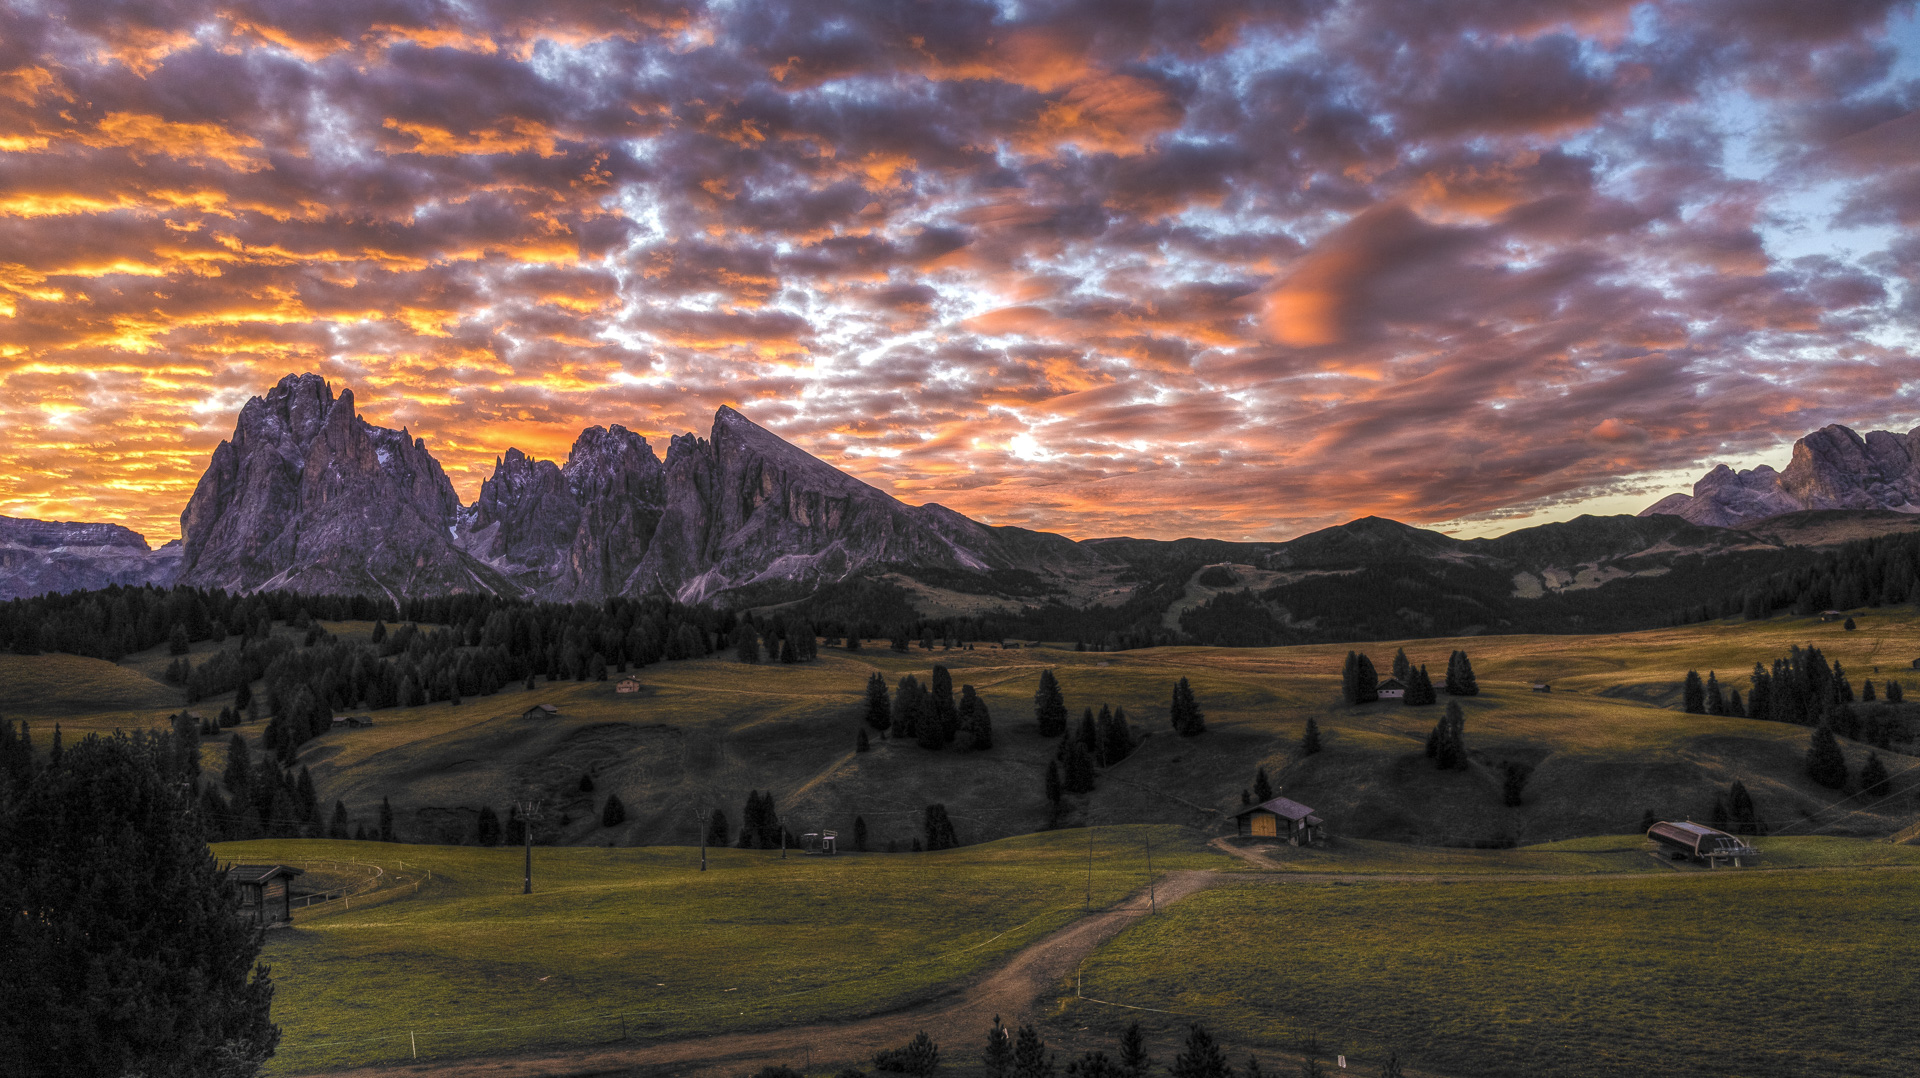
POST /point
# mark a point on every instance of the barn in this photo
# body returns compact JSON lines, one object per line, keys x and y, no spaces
{"x":1281,"y":818}
{"x":266,"y":893}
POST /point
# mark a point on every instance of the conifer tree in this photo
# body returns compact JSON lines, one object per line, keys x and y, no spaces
{"x":1894,"y":693}
{"x":1188,"y":720}
{"x":906,"y":707}
{"x":860,"y":742}
{"x":1693,"y":697}
{"x":976,"y":723}
{"x":1447,"y":744}
{"x":1054,"y":786}
{"x":1366,"y":680}
{"x":309,"y":801}
{"x":1049,"y":707}
{"x":998,"y":1057}
{"x":860,"y":834}
{"x":1419,"y":688}
{"x":1030,"y":1056}
{"x":386,"y":821}
{"x":586,"y":782}
{"x":1826,"y":764}
{"x":1401,"y":667}
{"x":1076,"y":772}
{"x":946,"y":715}
{"x":486,"y":828}
{"x":1350,"y":679}
{"x":1200,"y":1057}
{"x":879,"y":710}
{"x":1088,"y":732}
{"x":717,"y":827}
{"x":1310,"y":743}
{"x":1741,"y":809}
{"x":1866,"y":691}
{"x":1735,"y":707}
{"x":938,"y":829}
{"x":1873,"y":777}
{"x":1116,"y":739}
{"x":746,"y":643}
{"x":239,"y":774}
{"x":338,"y":828}
{"x":614,"y":813}
{"x":1262,"y":787}
{"x":1460,"y":679}
{"x":1133,"y":1051}
{"x":1716,"y":703}
{"x":1513,"y":783}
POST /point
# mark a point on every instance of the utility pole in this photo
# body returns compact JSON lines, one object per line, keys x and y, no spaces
{"x":528,"y":809}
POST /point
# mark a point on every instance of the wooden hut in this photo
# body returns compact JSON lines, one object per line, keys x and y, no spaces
{"x":1698,"y":842}
{"x":1392,"y":689}
{"x":541,"y":711}
{"x":266,"y":894}
{"x":1281,"y":818}
{"x":628,"y":684}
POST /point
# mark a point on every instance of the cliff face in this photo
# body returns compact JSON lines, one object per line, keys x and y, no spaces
{"x":1832,"y":468}
{"x":307,"y":496}
{"x":39,"y":556}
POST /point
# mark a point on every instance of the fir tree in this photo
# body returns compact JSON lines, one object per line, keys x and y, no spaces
{"x":1054,"y":787}
{"x":1076,"y":771}
{"x":860,"y":834}
{"x":1310,"y":742}
{"x":586,"y":782}
{"x":177,"y":640}
{"x":1049,"y":708}
{"x":1185,"y":712}
{"x":239,"y":773}
{"x":905,"y":721}
{"x":614,"y":814}
{"x":1447,"y":743}
{"x":1866,"y":691}
{"x":486,"y":828}
{"x":1419,"y":688}
{"x":1392,"y":1068}
{"x":1734,"y":707}
{"x":746,"y":643}
{"x":1133,"y":1050}
{"x":1894,"y":692}
{"x":1826,"y":764}
{"x":1741,"y":810}
{"x":338,"y":828}
{"x":1716,"y":703}
{"x":1460,"y":679}
{"x":1366,"y":681}
{"x":976,"y":723}
{"x":938,"y":829}
{"x":1116,"y":737}
{"x":1200,"y":1057}
{"x":717,"y":827}
{"x":1873,"y":777}
{"x":1030,"y":1056}
{"x":309,"y":801}
{"x":1693,"y":697}
{"x":879,"y":711}
{"x":946,"y":715}
{"x":1402,"y":669}
{"x":860,"y":742}
{"x":1262,"y":787}
{"x":1088,"y":732}
{"x":998,"y":1057}
{"x":1513,"y":783}
{"x":386,"y":821}
{"x":1350,"y":679}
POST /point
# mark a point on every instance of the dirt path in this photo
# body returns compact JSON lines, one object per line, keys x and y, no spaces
{"x":1010,"y":991}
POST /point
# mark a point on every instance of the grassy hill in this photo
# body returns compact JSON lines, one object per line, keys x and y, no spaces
{"x":1605,"y":746}
{"x":643,"y":942}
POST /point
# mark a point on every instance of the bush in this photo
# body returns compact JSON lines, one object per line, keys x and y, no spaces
{"x":1218,"y":576}
{"x":918,"y":1056}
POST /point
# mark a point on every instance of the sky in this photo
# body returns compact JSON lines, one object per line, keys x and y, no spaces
{"x":1233,"y":269}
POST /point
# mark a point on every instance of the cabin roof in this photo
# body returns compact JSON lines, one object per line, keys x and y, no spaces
{"x":1279,"y":806}
{"x":260,"y":873}
{"x":548,"y":708}
{"x":1391,"y":683}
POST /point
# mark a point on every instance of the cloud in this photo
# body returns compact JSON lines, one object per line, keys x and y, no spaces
{"x":1147,"y":268}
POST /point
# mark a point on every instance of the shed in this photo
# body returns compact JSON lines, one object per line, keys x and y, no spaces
{"x":1831,"y":615}
{"x":1916,"y":664}
{"x":821,"y":842}
{"x":265,"y":892}
{"x":541,"y":711}
{"x":1392,"y":689}
{"x":1281,"y":818}
{"x":1541,"y":686}
{"x":628,"y":684}
{"x":1698,"y":842}
{"x":342,"y":722}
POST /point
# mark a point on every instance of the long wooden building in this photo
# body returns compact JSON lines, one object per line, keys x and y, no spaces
{"x":1281,"y":818}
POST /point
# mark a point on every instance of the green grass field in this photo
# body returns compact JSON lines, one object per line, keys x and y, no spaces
{"x":1760,"y":975}
{"x":471,"y":966}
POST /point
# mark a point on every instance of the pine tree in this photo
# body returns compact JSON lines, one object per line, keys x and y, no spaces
{"x":860,"y":742}
{"x":1826,"y":764}
{"x":905,"y":721}
{"x":1460,"y":679}
{"x":717,"y":827}
{"x":177,"y":640}
{"x":309,"y":801}
{"x":586,"y":782}
{"x":1262,"y":787}
{"x":121,"y":944}
{"x":239,"y":773}
{"x":1734,"y":707}
{"x":1716,"y":703}
{"x":1116,"y":739}
{"x":1076,"y":772}
{"x":1200,"y":1057}
{"x":976,"y":723}
{"x":1133,"y":1051}
{"x":879,"y":712}
{"x":1366,"y":680}
{"x":614,"y":814}
{"x":1030,"y":1056}
{"x":1049,"y":707}
{"x":1392,"y":1068}
{"x":1054,"y":786}
{"x":998,"y":1058}
{"x":1350,"y":679}
{"x":1894,"y":692}
{"x":860,"y":834}
{"x":1693,"y":698}
{"x":1310,"y":743}
{"x":1088,"y":732}
{"x":1760,"y":695}
{"x":1188,"y":720}
{"x":1866,"y":691}
{"x":1401,"y":667}
{"x":1513,"y":783}
{"x":338,"y":828}
{"x":938,"y":829}
{"x":1419,"y":688}
{"x":746,"y":643}
{"x":1873,"y":777}
{"x":386,"y":821}
{"x":486,"y":828}
{"x":1447,"y":743}
{"x":1741,"y":809}
{"x":946,"y":716}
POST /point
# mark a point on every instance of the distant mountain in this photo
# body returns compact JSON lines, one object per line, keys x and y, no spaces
{"x":1832,"y":468}
{"x":39,"y":556}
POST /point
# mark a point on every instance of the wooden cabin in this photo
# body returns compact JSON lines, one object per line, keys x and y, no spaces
{"x":1698,"y":842}
{"x":628,"y":684}
{"x":266,"y":892}
{"x":1281,"y":818}
{"x":1392,"y":689}
{"x":541,"y":711}
{"x":821,"y":842}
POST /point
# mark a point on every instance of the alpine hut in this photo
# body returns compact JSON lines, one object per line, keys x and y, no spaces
{"x":1392,"y":689}
{"x":265,"y":892}
{"x":1698,"y":842}
{"x":541,"y":711}
{"x":1281,"y":818}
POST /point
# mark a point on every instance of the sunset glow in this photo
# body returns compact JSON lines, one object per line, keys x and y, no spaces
{"x":1232,"y":269}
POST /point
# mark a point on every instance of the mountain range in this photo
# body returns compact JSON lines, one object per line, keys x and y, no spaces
{"x":308,"y":496}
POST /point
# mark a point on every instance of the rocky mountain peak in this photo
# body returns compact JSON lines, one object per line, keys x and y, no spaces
{"x":1831,"y":468}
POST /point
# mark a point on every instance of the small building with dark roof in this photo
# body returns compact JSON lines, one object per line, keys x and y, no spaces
{"x":1698,"y":842}
{"x":1280,"y":818}
{"x":266,"y":892}
{"x":541,"y":711}
{"x":627,"y":684}
{"x":1392,"y":689}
